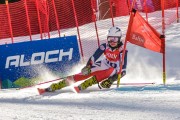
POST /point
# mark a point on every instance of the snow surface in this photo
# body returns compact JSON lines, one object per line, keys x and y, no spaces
{"x":128,"y":102}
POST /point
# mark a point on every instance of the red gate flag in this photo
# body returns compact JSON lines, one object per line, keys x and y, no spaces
{"x":143,"y":34}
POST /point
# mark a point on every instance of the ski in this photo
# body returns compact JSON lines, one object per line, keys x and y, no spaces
{"x":40,"y":83}
{"x":77,"y":89}
{"x":41,"y":91}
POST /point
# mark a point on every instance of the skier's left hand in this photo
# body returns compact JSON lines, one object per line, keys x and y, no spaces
{"x":86,"y":70}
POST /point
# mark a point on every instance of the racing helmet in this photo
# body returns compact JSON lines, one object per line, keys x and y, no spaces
{"x":116,"y":34}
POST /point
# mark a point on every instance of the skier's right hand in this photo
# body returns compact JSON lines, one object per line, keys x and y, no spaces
{"x":86,"y":70}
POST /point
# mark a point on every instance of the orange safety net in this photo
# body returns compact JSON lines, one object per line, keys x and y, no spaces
{"x":40,"y":19}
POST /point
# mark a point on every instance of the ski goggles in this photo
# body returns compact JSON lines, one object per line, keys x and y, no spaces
{"x":113,"y":39}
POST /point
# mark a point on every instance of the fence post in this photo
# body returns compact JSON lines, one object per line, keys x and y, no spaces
{"x":129,"y":6}
{"x":163,"y":32}
{"x":57,"y":21}
{"x":28,"y":21}
{"x":77,"y":26}
{"x":9,"y":21}
{"x":110,"y":4}
{"x":94,"y":19}
{"x":145,"y":3}
{"x":177,"y":13}
{"x":39,"y":20}
{"x":163,"y":21}
{"x":47,"y":17}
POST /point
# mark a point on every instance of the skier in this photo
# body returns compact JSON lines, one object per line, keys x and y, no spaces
{"x":102,"y":72}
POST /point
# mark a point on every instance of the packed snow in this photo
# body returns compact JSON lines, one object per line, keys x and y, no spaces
{"x":131,"y":101}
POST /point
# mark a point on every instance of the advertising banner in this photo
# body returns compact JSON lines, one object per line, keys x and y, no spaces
{"x":143,"y":6}
{"x":22,"y":63}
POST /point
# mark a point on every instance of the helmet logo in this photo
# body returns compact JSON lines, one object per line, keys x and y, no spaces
{"x":117,"y":29}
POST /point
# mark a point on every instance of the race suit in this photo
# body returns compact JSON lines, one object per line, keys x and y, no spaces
{"x":105,"y":62}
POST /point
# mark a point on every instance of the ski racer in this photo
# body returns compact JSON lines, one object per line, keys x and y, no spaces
{"x":102,"y":72}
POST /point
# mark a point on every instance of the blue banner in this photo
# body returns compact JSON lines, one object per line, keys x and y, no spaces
{"x":21,"y":62}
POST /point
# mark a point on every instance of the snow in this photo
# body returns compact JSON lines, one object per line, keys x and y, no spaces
{"x":128,"y":102}
{"x":137,"y":103}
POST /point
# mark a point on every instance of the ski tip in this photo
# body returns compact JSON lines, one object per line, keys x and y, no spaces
{"x":41,"y":91}
{"x":76,"y":89}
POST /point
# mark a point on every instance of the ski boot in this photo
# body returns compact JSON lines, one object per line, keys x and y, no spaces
{"x":64,"y":83}
{"x":108,"y":82}
{"x":57,"y":86}
{"x":87,"y":83}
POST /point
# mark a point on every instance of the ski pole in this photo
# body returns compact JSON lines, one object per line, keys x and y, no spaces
{"x":40,"y":83}
{"x":136,"y":83}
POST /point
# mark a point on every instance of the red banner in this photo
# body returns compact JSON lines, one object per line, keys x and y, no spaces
{"x":143,"y":34}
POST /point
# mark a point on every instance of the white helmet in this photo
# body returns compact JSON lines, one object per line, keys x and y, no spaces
{"x":114,"y":32}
